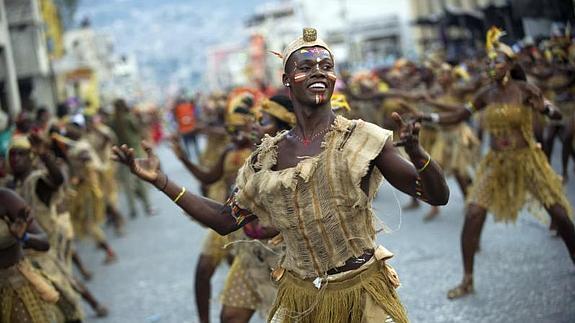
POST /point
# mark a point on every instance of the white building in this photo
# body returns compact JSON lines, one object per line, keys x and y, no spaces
{"x":361,"y":33}
{"x":226,"y":66}
{"x":30,"y":54}
{"x":87,"y":67}
{"x":9,"y":93}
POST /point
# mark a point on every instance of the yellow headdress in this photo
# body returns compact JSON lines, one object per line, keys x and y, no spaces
{"x":241,"y":106}
{"x":461,"y":72}
{"x":20,"y":142}
{"x":338,"y":101}
{"x":493,"y":45}
{"x":308,"y":39}
{"x":278,"y":111}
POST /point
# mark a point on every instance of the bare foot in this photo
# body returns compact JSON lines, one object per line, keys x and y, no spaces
{"x":110,"y":259}
{"x":87,"y":275}
{"x":432,"y":214}
{"x":120,"y":231}
{"x":151,"y":211}
{"x":463,"y":289}
{"x":411,"y":206}
{"x":101,"y":311}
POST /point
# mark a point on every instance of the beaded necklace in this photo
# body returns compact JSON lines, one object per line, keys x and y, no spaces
{"x":307,"y":141}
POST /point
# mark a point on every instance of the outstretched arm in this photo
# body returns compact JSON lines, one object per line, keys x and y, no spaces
{"x":421,"y":178}
{"x":49,"y":185}
{"x":459,"y":113}
{"x":391,"y":93}
{"x":212,"y":214}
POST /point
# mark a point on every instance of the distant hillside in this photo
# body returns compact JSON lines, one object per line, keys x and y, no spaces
{"x":169,"y":37}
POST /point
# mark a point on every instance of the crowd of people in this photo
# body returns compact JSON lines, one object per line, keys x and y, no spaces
{"x":288,"y":177}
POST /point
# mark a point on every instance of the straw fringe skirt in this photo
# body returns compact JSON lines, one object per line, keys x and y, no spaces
{"x":364,"y":295}
{"x":25,"y":296}
{"x":508,"y":180}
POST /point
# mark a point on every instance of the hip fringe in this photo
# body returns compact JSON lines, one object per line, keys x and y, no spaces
{"x":506,"y":181}
{"x":338,"y":302}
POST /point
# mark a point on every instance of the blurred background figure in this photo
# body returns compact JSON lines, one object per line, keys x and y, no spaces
{"x":184,"y":112}
{"x":129,"y":132}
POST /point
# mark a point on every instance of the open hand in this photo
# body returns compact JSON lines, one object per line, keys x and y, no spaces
{"x":147,"y":168}
{"x":408,"y":132}
{"x":20,"y":225}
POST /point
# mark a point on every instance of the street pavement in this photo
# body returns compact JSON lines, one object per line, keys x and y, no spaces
{"x":522,"y":274}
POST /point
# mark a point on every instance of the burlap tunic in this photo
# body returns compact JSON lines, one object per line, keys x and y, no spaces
{"x":325,"y":218}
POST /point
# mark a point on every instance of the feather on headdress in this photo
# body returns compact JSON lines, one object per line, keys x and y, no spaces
{"x":493,"y":45}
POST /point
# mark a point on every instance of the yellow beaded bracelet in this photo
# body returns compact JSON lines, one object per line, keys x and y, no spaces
{"x":180,"y":195}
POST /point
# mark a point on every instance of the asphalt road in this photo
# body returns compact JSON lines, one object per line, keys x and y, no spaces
{"x":523,"y":274}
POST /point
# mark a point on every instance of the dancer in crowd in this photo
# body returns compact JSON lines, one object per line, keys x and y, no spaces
{"x":455,"y":147}
{"x":102,"y":138}
{"x":89,"y":206}
{"x":248,"y":286}
{"x":41,"y":187}
{"x":238,"y":121}
{"x":515,"y":166}
{"x":25,"y":295}
{"x":128,"y":131}
{"x":315,"y":185}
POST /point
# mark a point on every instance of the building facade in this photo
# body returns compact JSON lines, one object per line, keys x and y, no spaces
{"x":362,"y":34}
{"x":9,"y":92}
{"x":459,"y":26}
{"x":26,"y":28}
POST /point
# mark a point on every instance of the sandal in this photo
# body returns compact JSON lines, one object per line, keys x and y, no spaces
{"x":461,"y":290}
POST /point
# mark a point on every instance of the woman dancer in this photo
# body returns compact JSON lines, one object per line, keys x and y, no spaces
{"x":220,"y":177}
{"x":515,"y":166}
{"x":248,"y":286}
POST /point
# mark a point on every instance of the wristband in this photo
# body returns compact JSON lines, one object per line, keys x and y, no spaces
{"x":434,"y":117}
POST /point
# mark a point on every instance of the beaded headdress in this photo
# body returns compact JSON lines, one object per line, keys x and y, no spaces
{"x":307,"y":39}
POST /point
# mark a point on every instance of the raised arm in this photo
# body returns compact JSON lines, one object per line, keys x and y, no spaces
{"x":212,"y":214}
{"x":422,"y":177}
{"x":206,"y":177}
{"x":49,"y":185}
{"x":22,"y":224}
